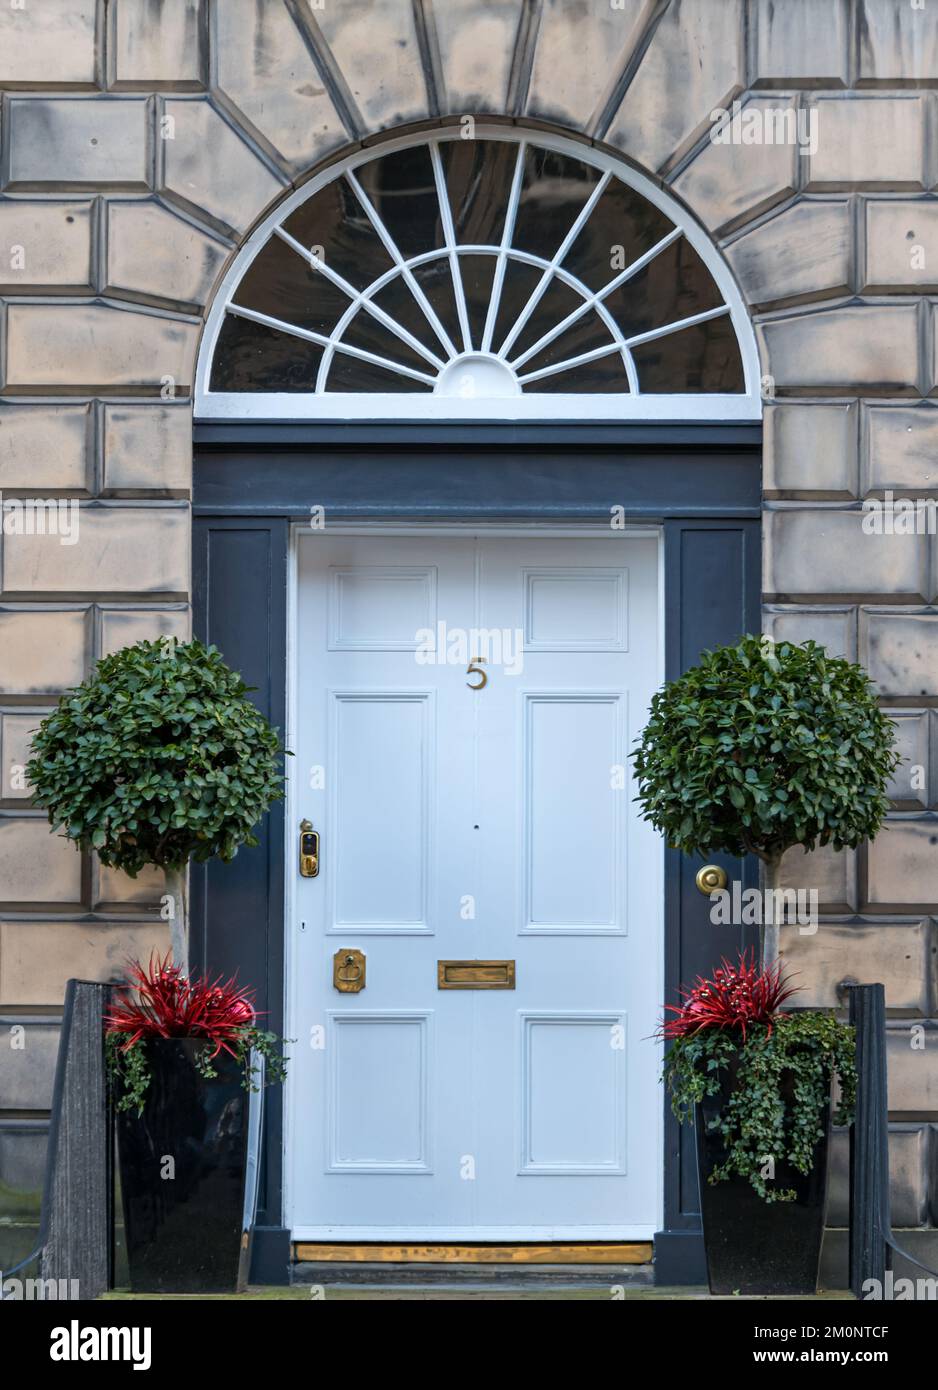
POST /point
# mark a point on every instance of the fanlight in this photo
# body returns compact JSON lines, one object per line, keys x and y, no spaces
{"x":490,"y":277}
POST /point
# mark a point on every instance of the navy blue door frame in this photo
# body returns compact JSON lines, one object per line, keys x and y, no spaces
{"x":701,"y":483}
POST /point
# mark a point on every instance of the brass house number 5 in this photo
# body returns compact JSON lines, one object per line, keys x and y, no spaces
{"x":475,"y":669}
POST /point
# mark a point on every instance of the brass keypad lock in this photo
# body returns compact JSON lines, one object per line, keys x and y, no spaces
{"x":348,"y":970}
{"x":309,"y":850}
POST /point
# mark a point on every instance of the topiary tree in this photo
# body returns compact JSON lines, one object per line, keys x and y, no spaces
{"x":761,"y":747}
{"x":157,"y":759}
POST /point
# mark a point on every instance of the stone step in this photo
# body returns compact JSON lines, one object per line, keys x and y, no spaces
{"x":376,"y":1275}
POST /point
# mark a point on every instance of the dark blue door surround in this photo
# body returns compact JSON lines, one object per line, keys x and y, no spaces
{"x":701,"y":483}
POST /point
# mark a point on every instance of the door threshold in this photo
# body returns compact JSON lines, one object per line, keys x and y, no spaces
{"x":580,"y":1253}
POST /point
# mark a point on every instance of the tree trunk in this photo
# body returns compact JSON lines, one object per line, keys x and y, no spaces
{"x":177,"y":881}
{"x":771,"y":916}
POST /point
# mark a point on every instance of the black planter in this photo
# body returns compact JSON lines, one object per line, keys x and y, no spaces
{"x":185,"y":1233}
{"x":752,"y":1246}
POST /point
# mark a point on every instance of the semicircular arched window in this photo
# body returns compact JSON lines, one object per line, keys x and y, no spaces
{"x":493,"y":277}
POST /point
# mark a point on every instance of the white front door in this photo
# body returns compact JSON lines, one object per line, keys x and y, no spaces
{"x":489,"y":824}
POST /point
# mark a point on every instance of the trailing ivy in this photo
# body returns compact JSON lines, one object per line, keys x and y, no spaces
{"x":783,"y":1073}
{"x":129,"y":1067}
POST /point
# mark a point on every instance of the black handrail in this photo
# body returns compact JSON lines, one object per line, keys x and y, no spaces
{"x":872,"y":1243}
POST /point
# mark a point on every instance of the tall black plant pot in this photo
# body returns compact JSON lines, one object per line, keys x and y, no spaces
{"x":182,"y":1169}
{"x":753,"y":1246}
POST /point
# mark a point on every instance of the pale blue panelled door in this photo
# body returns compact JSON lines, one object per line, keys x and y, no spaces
{"x":464,"y":706}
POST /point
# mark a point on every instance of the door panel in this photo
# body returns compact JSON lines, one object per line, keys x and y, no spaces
{"x":484,"y":817}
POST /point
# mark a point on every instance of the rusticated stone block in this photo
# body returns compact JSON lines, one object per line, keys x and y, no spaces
{"x":44,"y":650}
{"x":797,"y":45}
{"x":834,"y":628}
{"x":28,"y":1051}
{"x":821,"y":551}
{"x":843,"y":351}
{"x":868,"y":142}
{"x":731,"y":183}
{"x":832,"y":874}
{"x":110,"y":886}
{"x":901,"y":449}
{"x":694,"y":64}
{"x":36,"y":866}
{"x":811,"y":450}
{"x":120,"y":549}
{"x":476,"y":47}
{"x":45,"y":446}
{"x":899,"y":955}
{"x":38,"y":958}
{"x":50,"y":44}
{"x":147,"y":447}
{"x":122,"y":627}
{"x":909,"y":786}
{"x":900,"y":651}
{"x":97,"y":346}
{"x":155,"y":43}
{"x":896,"y":43}
{"x":74,"y":142}
{"x":908,"y":1176}
{"x":902,"y":866}
{"x":803,"y":252}
{"x":602,"y":37}
{"x":44,"y":244}
{"x":912,"y":1068}
{"x":16,"y":731}
{"x":154,"y":253}
{"x":22,"y":1169}
{"x":210,"y":167}
{"x":901,"y":245}
{"x":274,"y":80}
{"x":389,"y":92}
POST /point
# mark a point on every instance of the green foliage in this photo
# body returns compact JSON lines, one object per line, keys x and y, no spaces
{"x":130,"y":1073}
{"x":158,"y":758}
{"x":763,"y":746}
{"x":782,"y":1083}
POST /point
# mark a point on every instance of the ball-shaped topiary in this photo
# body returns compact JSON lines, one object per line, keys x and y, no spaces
{"x":158,"y":758}
{"x":764,"y":746}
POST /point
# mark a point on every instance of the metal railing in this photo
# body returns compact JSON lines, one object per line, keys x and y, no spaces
{"x":872,"y":1243}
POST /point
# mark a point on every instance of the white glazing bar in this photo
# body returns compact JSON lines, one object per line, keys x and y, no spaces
{"x":501,"y":265}
{"x":311,"y":336}
{"x":359,"y":299}
{"x":390,"y":246}
{"x":561,"y":251}
{"x":571,"y":362}
{"x":639,"y":338}
{"x":676,"y":326}
{"x":449,"y":236}
{"x":597,"y":298}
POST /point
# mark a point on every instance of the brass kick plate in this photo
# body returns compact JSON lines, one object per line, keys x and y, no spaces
{"x":475,"y":974}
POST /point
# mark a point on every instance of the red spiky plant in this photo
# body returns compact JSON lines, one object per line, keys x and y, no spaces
{"x":736,"y":996}
{"x":161,"y":1002}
